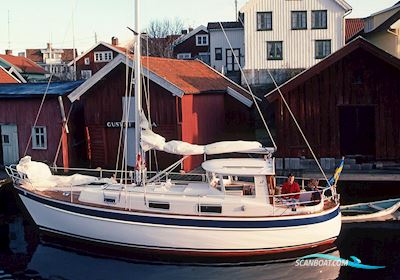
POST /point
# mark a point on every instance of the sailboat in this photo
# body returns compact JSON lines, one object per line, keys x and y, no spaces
{"x":232,"y":211}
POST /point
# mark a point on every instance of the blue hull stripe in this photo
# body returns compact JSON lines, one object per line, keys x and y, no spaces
{"x":187,"y":222}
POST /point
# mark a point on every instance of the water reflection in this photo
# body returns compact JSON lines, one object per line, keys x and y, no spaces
{"x":23,"y":256}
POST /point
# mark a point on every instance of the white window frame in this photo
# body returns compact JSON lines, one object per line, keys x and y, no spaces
{"x":202,"y":40}
{"x":42,"y":143}
{"x":325,"y":46}
{"x":87,"y":60}
{"x":264,"y":21}
{"x":86,"y":74}
{"x":184,"y":56}
{"x":319,"y":19}
{"x":273,"y":48}
{"x":104,"y":56}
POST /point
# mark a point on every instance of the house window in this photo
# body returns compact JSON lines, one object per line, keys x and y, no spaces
{"x":87,"y":60}
{"x":103,"y":56}
{"x":274,"y":50}
{"x":184,"y":56}
{"x":322,"y":48}
{"x":86,"y":74}
{"x":202,"y":40}
{"x":218,"y":54}
{"x":319,"y":20}
{"x":39,"y":138}
{"x":264,"y":21}
{"x":299,"y":20}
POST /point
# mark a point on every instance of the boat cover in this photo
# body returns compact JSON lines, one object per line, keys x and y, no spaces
{"x":41,"y":178}
{"x":151,"y":140}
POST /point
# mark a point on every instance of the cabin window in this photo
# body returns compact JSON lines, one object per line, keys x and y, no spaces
{"x":319,"y":20}
{"x":299,"y":20}
{"x":264,"y":21}
{"x":159,"y":205}
{"x":218,"y":54}
{"x":202,"y":40}
{"x":210,"y":208}
{"x":39,"y":138}
{"x":274,"y":50}
{"x":322,"y":48}
{"x":103,"y":56}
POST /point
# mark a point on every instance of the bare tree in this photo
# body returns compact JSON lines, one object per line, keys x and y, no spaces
{"x":160,"y":37}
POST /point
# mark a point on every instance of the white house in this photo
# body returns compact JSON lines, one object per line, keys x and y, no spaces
{"x":290,"y":35}
{"x":383,"y":29}
{"x":226,"y":43}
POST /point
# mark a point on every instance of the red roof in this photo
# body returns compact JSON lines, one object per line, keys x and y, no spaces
{"x":191,"y":76}
{"x":353,"y":27}
{"x":6,"y":78}
{"x":23,"y":63}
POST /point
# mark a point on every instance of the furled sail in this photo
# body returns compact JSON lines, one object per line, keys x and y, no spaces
{"x":151,"y":140}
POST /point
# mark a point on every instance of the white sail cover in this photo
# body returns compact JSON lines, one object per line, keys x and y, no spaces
{"x":151,"y":140}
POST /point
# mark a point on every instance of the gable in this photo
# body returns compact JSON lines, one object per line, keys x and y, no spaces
{"x":199,"y":30}
{"x":251,"y":3}
{"x":177,"y":76}
{"x":359,"y":43}
{"x":101,"y":46}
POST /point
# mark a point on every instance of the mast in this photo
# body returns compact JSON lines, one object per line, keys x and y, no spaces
{"x":138,"y":97}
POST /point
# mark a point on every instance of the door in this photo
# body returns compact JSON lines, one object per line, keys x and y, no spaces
{"x":9,"y":137}
{"x":357,"y":130}
{"x":231,"y":65}
{"x":131,"y":129}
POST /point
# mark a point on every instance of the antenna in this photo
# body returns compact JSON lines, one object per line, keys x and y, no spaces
{"x":9,"y":37}
{"x":236,"y":10}
{"x":95,"y":38}
{"x":73,"y":41}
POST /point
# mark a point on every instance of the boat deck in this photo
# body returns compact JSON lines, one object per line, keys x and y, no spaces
{"x":73,"y":197}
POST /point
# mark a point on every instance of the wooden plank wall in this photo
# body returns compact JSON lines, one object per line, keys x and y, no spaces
{"x":316,"y":103}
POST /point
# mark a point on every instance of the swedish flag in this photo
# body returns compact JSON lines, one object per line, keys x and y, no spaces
{"x":335,"y":178}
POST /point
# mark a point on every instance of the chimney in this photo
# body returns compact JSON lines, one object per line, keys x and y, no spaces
{"x":184,"y":32}
{"x":190,"y":29}
{"x":8,"y":52}
{"x":114,"y":41}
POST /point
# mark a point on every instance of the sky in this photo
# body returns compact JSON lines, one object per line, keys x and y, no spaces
{"x":32,"y":23}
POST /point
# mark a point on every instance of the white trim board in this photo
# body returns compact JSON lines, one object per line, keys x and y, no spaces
{"x":92,"y":48}
{"x":83,"y":88}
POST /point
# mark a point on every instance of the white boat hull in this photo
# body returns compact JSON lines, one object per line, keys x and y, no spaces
{"x":203,"y":235}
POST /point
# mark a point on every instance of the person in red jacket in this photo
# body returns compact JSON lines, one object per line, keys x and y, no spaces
{"x":291,"y":187}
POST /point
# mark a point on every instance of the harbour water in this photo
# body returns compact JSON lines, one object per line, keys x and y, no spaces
{"x":25,"y":255}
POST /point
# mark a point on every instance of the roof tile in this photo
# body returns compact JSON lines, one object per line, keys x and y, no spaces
{"x":353,"y":27}
{"x":23,"y":63}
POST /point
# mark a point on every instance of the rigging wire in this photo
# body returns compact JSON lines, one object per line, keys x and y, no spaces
{"x":299,"y":128}
{"x":284,"y":100}
{"x":128,"y":87}
{"x":249,"y":88}
{"x":60,"y":141}
{"x":38,"y":114}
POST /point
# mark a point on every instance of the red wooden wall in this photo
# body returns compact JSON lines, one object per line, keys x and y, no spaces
{"x":22,"y":112}
{"x":358,"y":79}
